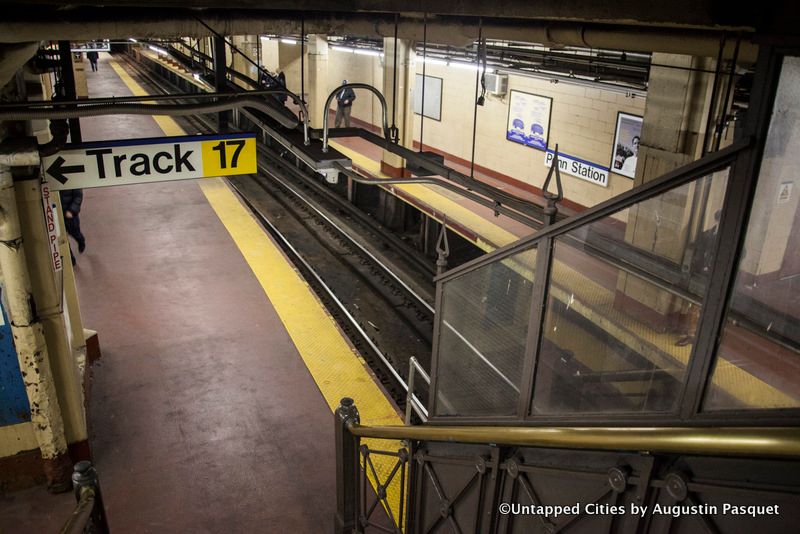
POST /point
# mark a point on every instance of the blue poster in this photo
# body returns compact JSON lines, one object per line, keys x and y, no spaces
{"x":529,"y":119}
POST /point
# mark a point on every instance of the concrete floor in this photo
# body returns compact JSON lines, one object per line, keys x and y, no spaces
{"x":203,"y":417}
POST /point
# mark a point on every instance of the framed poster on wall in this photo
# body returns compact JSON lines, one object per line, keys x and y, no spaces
{"x":433,"y":97}
{"x":529,"y":119}
{"x":626,"y":144}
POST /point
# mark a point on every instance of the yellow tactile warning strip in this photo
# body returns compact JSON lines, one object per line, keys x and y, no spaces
{"x":188,"y":77}
{"x":490,"y":236}
{"x":596,"y":303}
{"x":167,"y":124}
{"x":335,"y":366}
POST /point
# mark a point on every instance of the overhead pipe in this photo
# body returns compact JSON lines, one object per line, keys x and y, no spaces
{"x":453,"y":30}
{"x":89,"y":108}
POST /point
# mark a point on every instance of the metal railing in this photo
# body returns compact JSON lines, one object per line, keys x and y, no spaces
{"x":413,"y":403}
{"x":89,"y":515}
{"x":620,"y":460}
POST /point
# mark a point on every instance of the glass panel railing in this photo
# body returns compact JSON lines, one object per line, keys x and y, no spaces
{"x":759,"y":352}
{"x":623,"y":303}
{"x":482,"y":334}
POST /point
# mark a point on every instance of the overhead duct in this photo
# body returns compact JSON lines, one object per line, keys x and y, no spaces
{"x":121,"y":23}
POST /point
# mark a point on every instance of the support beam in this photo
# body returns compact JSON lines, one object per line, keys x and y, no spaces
{"x":398,"y":79}
{"x":220,"y":78}
{"x":68,"y":89}
{"x":317,"y":85}
{"x":29,"y":338}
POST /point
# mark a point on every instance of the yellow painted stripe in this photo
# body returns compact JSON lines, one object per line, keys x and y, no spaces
{"x":335,"y":366}
{"x":167,"y":124}
{"x":489,"y":235}
{"x":17,"y":438}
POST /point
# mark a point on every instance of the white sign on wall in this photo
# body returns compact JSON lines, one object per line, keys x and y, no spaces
{"x":585,"y":170}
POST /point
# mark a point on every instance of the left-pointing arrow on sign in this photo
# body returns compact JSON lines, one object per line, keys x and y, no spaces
{"x":59,"y":171}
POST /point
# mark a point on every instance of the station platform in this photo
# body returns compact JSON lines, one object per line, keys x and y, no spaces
{"x":211,"y":408}
{"x":472,"y":221}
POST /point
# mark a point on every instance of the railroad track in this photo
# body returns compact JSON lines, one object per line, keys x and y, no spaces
{"x":377,"y":287}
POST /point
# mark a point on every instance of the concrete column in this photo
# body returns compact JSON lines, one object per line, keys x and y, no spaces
{"x":317,"y":85}
{"x":48,"y":286}
{"x":248,"y":45}
{"x":220,"y":77}
{"x":29,"y":340}
{"x":398,"y":97}
{"x":678,"y":102}
{"x":270,"y":55}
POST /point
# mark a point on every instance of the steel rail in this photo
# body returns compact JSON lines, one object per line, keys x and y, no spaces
{"x":318,"y":279}
{"x":353,"y":241}
{"x":82,"y":515}
{"x":355,"y":212}
{"x":728,"y":441}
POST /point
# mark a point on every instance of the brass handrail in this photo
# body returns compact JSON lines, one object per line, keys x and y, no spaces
{"x":82,"y":514}
{"x":756,"y":442}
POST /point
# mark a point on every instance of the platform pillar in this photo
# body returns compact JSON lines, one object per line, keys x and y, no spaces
{"x":247,"y":45}
{"x":221,"y":77}
{"x":317,"y":84}
{"x":397,"y":91}
{"x":679,"y":100}
{"x":68,"y":91}
{"x":30,"y":341}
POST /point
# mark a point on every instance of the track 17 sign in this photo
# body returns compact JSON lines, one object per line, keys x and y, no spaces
{"x":135,"y":161}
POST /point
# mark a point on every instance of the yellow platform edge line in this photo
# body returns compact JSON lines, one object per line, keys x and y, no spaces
{"x":167,"y":124}
{"x":334,"y":365}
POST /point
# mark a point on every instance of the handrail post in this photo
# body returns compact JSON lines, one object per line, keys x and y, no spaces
{"x":84,"y":477}
{"x":412,"y":367}
{"x":347,"y":466}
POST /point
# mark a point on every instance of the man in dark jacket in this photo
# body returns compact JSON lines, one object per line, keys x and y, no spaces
{"x":71,"y":201}
{"x":344,"y":99}
{"x":92,"y":56}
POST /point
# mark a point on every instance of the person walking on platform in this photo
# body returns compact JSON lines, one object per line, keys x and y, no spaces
{"x":71,"y":201}
{"x":92,"y":56}
{"x":344,"y":99}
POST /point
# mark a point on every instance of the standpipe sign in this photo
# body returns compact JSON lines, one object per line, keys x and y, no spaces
{"x":136,"y":161}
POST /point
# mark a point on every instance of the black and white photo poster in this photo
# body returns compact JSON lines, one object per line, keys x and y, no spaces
{"x":626,"y":144}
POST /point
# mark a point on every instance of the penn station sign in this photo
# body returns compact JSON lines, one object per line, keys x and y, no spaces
{"x":580,"y":168}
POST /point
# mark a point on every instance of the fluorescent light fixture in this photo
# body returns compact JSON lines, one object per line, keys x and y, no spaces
{"x":343,"y":49}
{"x":288,"y":41}
{"x":131,"y":39}
{"x":460,"y":65}
{"x":157,"y":50}
{"x":265,"y":38}
{"x":363,"y":52}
